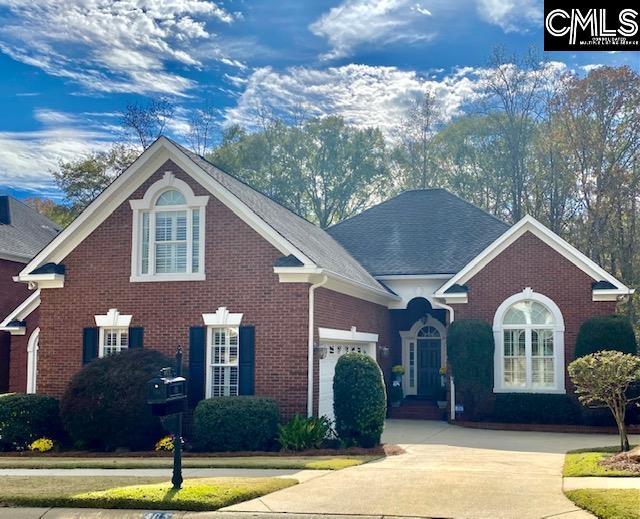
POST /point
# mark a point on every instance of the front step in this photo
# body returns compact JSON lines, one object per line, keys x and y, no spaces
{"x":417,"y":410}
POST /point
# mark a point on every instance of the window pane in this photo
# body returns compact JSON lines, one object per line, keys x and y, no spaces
{"x":171,"y":197}
{"x":514,"y":357}
{"x":539,"y":314}
{"x":517,"y":314}
{"x":528,"y":312}
{"x":542,"y":372}
{"x":145,"y":243}
{"x":224,"y":361}
{"x":114,"y":340}
{"x":195,"y":240}
{"x":429,"y":331}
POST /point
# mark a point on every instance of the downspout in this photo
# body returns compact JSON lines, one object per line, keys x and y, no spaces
{"x":452,"y":385}
{"x":310,"y":359}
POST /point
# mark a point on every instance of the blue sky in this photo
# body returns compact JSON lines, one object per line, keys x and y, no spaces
{"x":69,"y":67}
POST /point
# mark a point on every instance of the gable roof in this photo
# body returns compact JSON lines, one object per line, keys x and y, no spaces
{"x":530,"y":224}
{"x":420,"y":232}
{"x":288,"y":232}
{"x":23,"y":231}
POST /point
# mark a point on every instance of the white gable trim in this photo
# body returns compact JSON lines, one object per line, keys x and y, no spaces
{"x":20,"y":314}
{"x":124,"y":185}
{"x":530,"y":224}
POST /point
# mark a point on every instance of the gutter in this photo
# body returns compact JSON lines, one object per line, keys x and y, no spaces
{"x":310,"y":359}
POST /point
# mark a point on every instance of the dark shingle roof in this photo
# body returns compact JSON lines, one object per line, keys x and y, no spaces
{"x":429,"y":231}
{"x":310,"y":239}
{"x":23,"y":231}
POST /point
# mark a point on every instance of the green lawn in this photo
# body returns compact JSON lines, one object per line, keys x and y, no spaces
{"x":608,"y":504}
{"x":132,"y":492}
{"x":584,"y":462}
{"x":249,"y":462}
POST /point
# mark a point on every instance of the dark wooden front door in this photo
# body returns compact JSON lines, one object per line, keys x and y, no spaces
{"x":428,"y":367}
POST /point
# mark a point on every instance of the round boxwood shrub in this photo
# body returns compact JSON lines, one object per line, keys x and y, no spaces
{"x":470,"y":349}
{"x":606,"y":332}
{"x":235,"y":423}
{"x":359,"y":400}
{"x":105,"y":406}
{"x":25,"y":418}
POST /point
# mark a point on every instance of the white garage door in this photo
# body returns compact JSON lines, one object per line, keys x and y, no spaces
{"x":334,"y":351}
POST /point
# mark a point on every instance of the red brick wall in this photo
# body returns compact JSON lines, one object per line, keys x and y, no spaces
{"x":340,"y":311}
{"x":529,"y":262}
{"x":11,"y":293}
{"x":239,"y":270}
{"x":18,"y":366}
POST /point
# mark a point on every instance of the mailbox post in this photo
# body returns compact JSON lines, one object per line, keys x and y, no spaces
{"x":167,"y":395}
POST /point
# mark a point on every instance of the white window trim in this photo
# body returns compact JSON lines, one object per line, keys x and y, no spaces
{"x":147,"y":203}
{"x":222,"y":318}
{"x":411,"y":337}
{"x":32,"y":361}
{"x":558,"y":345}
{"x":112,"y":320}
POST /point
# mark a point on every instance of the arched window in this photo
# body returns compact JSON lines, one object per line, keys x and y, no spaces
{"x":168,"y":232}
{"x":529,"y":335}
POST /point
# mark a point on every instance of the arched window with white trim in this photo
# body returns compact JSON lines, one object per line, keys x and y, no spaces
{"x":168,"y":232}
{"x":529,"y":336}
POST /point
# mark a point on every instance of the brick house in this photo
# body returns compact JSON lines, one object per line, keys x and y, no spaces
{"x":23,"y":233}
{"x":175,"y":251}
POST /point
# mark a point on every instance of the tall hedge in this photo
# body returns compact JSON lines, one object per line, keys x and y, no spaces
{"x":608,"y":332}
{"x":24,"y":418}
{"x":235,"y":423}
{"x":470,"y":349}
{"x":105,"y":404}
{"x":359,"y":400}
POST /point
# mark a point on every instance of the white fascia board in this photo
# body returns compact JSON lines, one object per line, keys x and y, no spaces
{"x":21,"y":312}
{"x":335,"y":282}
{"x":613,"y":294}
{"x":43,"y":280}
{"x":352,"y":335}
{"x":125,"y":184}
{"x":455,"y":298}
{"x":530,"y":224}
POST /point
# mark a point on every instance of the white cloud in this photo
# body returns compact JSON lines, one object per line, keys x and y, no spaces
{"x":356,"y":22}
{"x":107,"y":46}
{"x":364,"y":95}
{"x":511,"y":15}
{"x":591,"y":66}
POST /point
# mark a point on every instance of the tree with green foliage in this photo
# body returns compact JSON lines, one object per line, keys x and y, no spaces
{"x":59,"y":214}
{"x":606,"y":332}
{"x":605,"y":380}
{"x":83,"y":179}
{"x":359,"y":400}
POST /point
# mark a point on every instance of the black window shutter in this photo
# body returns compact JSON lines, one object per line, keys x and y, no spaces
{"x":136,"y":336}
{"x":246,"y":374}
{"x":197,"y":360}
{"x":89,"y":344}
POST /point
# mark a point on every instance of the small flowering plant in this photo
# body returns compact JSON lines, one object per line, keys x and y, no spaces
{"x":398,"y":369}
{"x":165,"y":444}
{"x":41,"y":445}
{"x":443,"y":370}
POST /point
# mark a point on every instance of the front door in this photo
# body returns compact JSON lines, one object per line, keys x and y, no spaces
{"x":428,"y":369}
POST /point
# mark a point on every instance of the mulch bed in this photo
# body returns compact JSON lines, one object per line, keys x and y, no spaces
{"x":620,"y":461}
{"x":381,"y":450}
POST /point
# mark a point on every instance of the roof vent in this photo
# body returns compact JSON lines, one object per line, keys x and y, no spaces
{"x":5,"y":210}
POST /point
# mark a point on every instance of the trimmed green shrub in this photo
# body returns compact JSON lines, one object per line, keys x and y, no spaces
{"x":470,"y":349}
{"x":25,"y":418}
{"x":104,"y":406}
{"x":235,"y":423}
{"x":302,"y":433}
{"x":608,"y":332}
{"x":536,"y":408}
{"x":359,"y":400}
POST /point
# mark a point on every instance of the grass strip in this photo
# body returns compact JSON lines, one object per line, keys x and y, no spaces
{"x":109,"y":492}
{"x":252,"y":462}
{"x":585,"y":463}
{"x":608,"y":504}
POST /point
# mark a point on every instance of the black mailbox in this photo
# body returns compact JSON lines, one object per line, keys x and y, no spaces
{"x":167,"y":394}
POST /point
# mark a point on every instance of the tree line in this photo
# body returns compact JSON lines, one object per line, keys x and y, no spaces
{"x":559,"y":146}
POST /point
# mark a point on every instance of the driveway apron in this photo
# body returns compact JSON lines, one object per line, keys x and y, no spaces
{"x":446,"y":472}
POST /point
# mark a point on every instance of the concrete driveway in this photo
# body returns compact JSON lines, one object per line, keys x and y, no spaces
{"x":446,"y":472}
